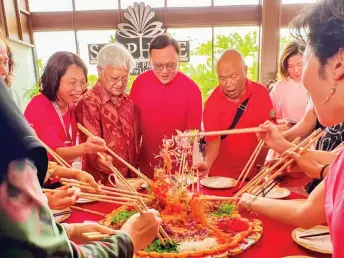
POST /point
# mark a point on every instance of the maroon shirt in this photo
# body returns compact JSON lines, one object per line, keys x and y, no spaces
{"x":111,"y":120}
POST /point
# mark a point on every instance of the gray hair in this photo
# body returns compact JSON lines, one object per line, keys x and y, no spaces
{"x":116,"y":55}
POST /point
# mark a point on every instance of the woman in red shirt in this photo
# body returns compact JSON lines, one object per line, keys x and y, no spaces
{"x":52,"y":113}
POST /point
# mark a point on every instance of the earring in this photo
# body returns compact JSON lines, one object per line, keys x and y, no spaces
{"x":332,"y":91}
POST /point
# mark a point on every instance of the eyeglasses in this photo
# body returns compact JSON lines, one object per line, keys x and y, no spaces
{"x":160,"y":67}
{"x":75,"y":84}
{"x":124,"y":80}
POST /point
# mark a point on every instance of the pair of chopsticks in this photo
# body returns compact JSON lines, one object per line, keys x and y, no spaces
{"x":315,"y":235}
{"x":97,"y":235}
{"x":250,"y":163}
{"x":141,"y":204}
{"x":227,"y":132}
{"x":136,"y":171}
{"x":88,"y":211}
{"x":58,"y":159}
{"x":62,"y":213}
{"x":102,"y":198}
{"x":285,"y":159}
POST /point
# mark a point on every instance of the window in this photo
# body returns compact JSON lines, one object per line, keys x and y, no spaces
{"x":86,"y":37}
{"x":183,"y":3}
{"x":235,"y":2}
{"x":243,"y":39}
{"x":50,"y":6}
{"x":46,"y":43}
{"x":298,"y":1}
{"x":95,"y":4}
{"x":199,"y":67}
{"x":152,"y":3}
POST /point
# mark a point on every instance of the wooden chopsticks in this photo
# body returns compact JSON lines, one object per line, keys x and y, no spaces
{"x":250,"y":163}
{"x":137,"y":172}
{"x":284,"y":158}
{"x":89,"y":211}
{"x":58,"y":159}
{"x":227,"y":132}
{"x":97,"y":235}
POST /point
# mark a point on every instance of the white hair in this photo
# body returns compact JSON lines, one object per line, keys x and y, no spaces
{"x":116,"y":55}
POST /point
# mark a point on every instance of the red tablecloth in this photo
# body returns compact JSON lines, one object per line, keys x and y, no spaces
{"x":276,"y":241}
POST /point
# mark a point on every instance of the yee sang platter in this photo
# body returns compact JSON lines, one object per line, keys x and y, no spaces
{"x":198,"y":225}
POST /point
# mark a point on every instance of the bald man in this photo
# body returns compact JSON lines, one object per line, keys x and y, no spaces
{"x":236,"y":103}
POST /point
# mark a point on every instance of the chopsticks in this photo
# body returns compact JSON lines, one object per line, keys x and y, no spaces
{"x":101,"y":198}
{"x":250,"y":163}
{"x":62,"y":213}
{"x":227,"y":132}
{"x":114,"y":191}
{"x":315,"y":235}
{"x":58,"y":159}
{"x":89,"y":211}
{"x":137,"y":172}
{"x":97,"y":235}
{"x":217,"y":198}
{"x":284,"y":159}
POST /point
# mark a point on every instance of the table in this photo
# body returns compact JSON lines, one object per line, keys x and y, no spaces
{"x":276,"y":241}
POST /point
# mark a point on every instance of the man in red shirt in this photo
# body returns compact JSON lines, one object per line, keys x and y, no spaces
{"x":228,"y":156}
{"x":165,"y":100}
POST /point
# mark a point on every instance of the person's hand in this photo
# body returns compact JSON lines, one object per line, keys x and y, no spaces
{"x":64,"y":198}
{"x":303,"y":164}
{"x":103,"y":164}
{"x":272,"y":137}
{"x":77,"y":230}
{"x":94,"y":145}
{"x":86,"y":178}
{"x":244,"y":201}
{"x":142,"y":228}
{"x":203,"y":168}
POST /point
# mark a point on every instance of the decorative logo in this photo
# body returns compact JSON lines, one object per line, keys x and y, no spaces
{"x":136,"y":34}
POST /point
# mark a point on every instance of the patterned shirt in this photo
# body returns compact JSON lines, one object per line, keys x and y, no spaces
{"x":112,"y":120}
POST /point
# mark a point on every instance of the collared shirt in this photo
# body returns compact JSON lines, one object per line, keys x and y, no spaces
{"x":161,"y":110}
{"x":42,"y":116}
{"x":289,"y":99}
{"x":114,"y":122}
{"x":219,"y":112}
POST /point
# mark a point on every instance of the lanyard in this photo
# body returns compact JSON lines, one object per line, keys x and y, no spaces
{"x":69,"y":134}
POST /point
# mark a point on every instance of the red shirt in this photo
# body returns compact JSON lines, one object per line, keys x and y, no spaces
{"x":161,"y":110}
{"x":219,"y":113}
{"x":45,"y":120}
{"x":112,"y":121}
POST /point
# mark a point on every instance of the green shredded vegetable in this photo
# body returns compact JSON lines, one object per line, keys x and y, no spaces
{"x":157,"y":247}
{"x":122,"y":216}
{"x":225,"y":210}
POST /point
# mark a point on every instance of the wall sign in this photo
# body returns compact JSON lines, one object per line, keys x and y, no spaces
{"x":135,"y":34}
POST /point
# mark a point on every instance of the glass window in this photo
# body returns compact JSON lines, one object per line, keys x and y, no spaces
{"x":183,"y":3}
{"x":50,"y":6}
{"x":96,"y":4}
{"x":243,"y":39}
{"x":199,"y":67}
{"x":86,"y":37}
{"x":235,"y":2}
{"x":152,"y":3}
{"x":46,"y":43}
{"x":298,"y":1}
{"x":285,"y":37}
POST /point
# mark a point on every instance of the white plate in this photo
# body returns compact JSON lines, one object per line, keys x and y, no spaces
{"x":277,"y":193}
{"x":61,"y":218}
{"x":321,"y":244}
{"x":218,"y":182}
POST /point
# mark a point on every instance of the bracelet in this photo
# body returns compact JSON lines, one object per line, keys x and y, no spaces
{"x":322,"y":172}
{"x":67,"y":229}
{"x":249,"y":203}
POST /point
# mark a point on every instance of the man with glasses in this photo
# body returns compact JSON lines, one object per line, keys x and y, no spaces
{"x":165,"y":100}
{"x":107,"y":112}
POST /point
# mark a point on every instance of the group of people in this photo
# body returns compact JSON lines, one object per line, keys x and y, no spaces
{"x":161,"y":101}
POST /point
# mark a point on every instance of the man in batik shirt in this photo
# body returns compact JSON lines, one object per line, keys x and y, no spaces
{"x":107,"y":112}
